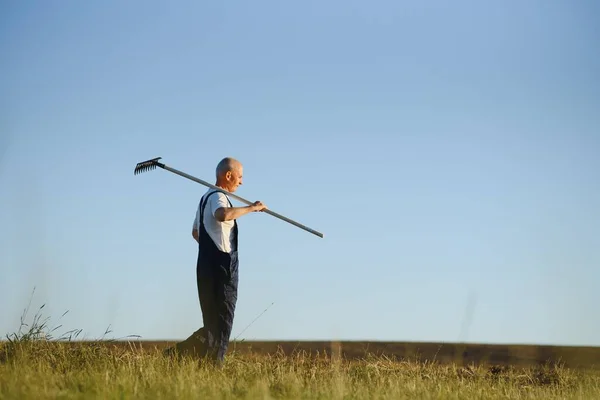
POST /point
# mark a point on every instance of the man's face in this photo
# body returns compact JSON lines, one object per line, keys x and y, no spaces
{"x":234,"y":178}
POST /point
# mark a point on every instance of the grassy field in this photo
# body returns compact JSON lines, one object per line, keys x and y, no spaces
{"x":35,"y":365}
{"x":47,"y":369}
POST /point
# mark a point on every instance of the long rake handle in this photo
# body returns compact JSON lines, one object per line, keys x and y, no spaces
{"x":202,"y":182}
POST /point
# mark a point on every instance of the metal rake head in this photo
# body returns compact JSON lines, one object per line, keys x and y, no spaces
{"x":147,"y":165}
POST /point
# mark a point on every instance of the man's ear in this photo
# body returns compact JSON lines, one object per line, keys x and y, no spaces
{"x":228,"y":175}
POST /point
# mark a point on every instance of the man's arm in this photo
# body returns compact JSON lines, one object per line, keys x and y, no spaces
{"x":228,"y":213}
{"x":195,"y":233}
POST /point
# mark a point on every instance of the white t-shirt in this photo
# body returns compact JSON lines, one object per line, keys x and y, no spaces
{"x":219,"y":232}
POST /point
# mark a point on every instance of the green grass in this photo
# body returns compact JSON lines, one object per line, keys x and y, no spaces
{"x":46,"y":369}
{"x":35,"y":365}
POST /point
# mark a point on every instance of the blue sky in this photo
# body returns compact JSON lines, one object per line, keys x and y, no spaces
{"x":448,"y":152}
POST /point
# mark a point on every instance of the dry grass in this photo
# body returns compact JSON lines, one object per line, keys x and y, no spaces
{"x":35,"y":365}
{"x":95,"y":370}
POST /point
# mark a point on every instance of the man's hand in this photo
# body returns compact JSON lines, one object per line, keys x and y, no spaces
{"x":258,"y":206}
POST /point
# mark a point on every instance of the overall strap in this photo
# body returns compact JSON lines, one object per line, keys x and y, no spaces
{"x":203,"y":206}
{"x":203,"y":203}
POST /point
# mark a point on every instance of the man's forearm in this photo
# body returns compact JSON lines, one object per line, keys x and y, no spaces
{"x":229,"y":213}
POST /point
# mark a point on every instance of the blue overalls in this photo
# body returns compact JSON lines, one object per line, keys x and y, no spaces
{"x":217,"y":280}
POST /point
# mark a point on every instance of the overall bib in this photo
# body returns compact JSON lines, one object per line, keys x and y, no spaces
{"x":217,"y":280}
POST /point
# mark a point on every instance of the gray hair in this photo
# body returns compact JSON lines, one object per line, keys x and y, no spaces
{"x":226,"y":164}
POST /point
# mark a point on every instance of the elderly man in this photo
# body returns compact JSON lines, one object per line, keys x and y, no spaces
{"x":216,"y":231}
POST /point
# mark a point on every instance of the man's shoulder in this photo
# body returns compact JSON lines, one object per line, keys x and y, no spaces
{"x":217,"y":197}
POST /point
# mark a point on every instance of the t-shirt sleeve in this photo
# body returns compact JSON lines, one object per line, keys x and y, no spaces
{"x":217,"y":201}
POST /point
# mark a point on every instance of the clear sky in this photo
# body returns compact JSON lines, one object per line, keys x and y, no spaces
{"x":449,"y":151}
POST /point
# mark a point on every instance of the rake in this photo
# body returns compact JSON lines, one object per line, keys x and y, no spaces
{"x":153,"y":163}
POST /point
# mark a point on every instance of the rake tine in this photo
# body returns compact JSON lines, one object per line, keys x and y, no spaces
{"x":153,"y":163}
{"x":147,"y":165}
